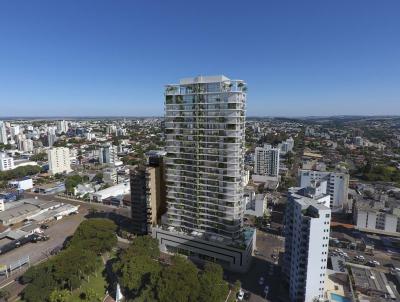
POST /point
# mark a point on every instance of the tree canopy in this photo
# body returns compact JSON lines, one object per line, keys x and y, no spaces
{"x":51,"y":280}
{"x":144,"y":278}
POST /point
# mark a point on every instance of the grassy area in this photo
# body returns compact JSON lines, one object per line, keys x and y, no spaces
{"x":96,"y":283}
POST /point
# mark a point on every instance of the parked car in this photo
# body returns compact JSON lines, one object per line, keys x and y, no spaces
{"x":266,"y":290}
{"x":261,"y":281}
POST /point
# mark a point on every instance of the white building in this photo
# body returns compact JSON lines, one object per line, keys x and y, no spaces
{"x":307,"y":228}
{"x":368,"y":218}
{"x":25,"y":183}
{"x":256,"y":204}
{"x":15,"y":130}
{"x":266,"y":161}
{"x":114,"y":191}
{"x":111,"y":129}
{"x":338,"y":185}
{"x":62,"y":126}
{"x":59,"y":161}
{"x":108,"y":154}
{"x":6,"y":162}
{"x":90,"y":135}
{"x":25,"y":145}
{"x":110,"y":176}
{"x":205,"y":136}
{"x":3,"y":133}
{"x":287,"y":145}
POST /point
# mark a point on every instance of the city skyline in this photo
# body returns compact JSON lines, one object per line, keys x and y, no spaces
{"x":308,"y":59}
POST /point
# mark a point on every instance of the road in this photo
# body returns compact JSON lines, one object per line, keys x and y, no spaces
{"x":263,"y":265}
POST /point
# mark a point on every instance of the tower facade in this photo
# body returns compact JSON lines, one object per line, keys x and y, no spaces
{"x":307,"y":229}
{"x":205,"y":135}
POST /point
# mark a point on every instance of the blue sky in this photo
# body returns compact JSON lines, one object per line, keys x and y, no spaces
{"x":113,"y":57}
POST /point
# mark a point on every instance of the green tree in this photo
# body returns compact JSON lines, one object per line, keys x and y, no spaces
{"x":137,"y":267}
{"x":60,"y":295}
{"x":89,"y":295}
{"x":178,"y":282}
{"x":213,"y":288}
{"x":72,"y":181}
{"x":96,"y":235}
{"x":39,"y":157}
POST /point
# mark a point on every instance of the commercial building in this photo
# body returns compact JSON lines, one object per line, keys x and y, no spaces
{"x":6,"y":162}
{"x":25,"y":183}
{"x":3,"y":133}
{"x":338,"y":185}
{"x":371,"y":284}
{"x":307,"y":228}
{"x":204,"y":128}
{"x":148,"y":193}
{"x":114,"y":191}
{"x":26,"y":209}
{"x":59,"y":161}
{"x":108,"y":154}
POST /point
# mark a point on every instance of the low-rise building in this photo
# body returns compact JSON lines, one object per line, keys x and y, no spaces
{"x":6,"y":162}
{"x":25,"y":183}
{"x":337,"y":185}
{"x":367,"y":217}
{"x":117,"y":190}
{"x":371,"y":284}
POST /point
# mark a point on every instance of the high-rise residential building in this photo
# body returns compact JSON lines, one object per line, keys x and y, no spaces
{"x":59,"y":160}
{"x":14,"y":130}
{"x":111,"y":129}
{"x":148,"y":193}
{"x":6,"y":162}
{"x":287,"y":145}
{"x":25,"y":145}
{"x":51,"y":139}
{"x":205,"y":136}
{"x":266,"y":161}
{"x":62,"y":126}
{"x":3,"y":133}
{"x":307,"y":228}
{"x":338,"y":185}
{"x":108,"y":154}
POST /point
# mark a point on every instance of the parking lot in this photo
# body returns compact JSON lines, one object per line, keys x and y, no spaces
{"x":58,"y":231}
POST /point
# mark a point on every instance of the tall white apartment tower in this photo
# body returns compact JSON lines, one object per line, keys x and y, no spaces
{"x":205,"y":136}
{"x":307,"y":228}
{"x":266,"y":161}
{"x":3,"y":133}
{"x":59,"y":160}
{"x":62,"y":126}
